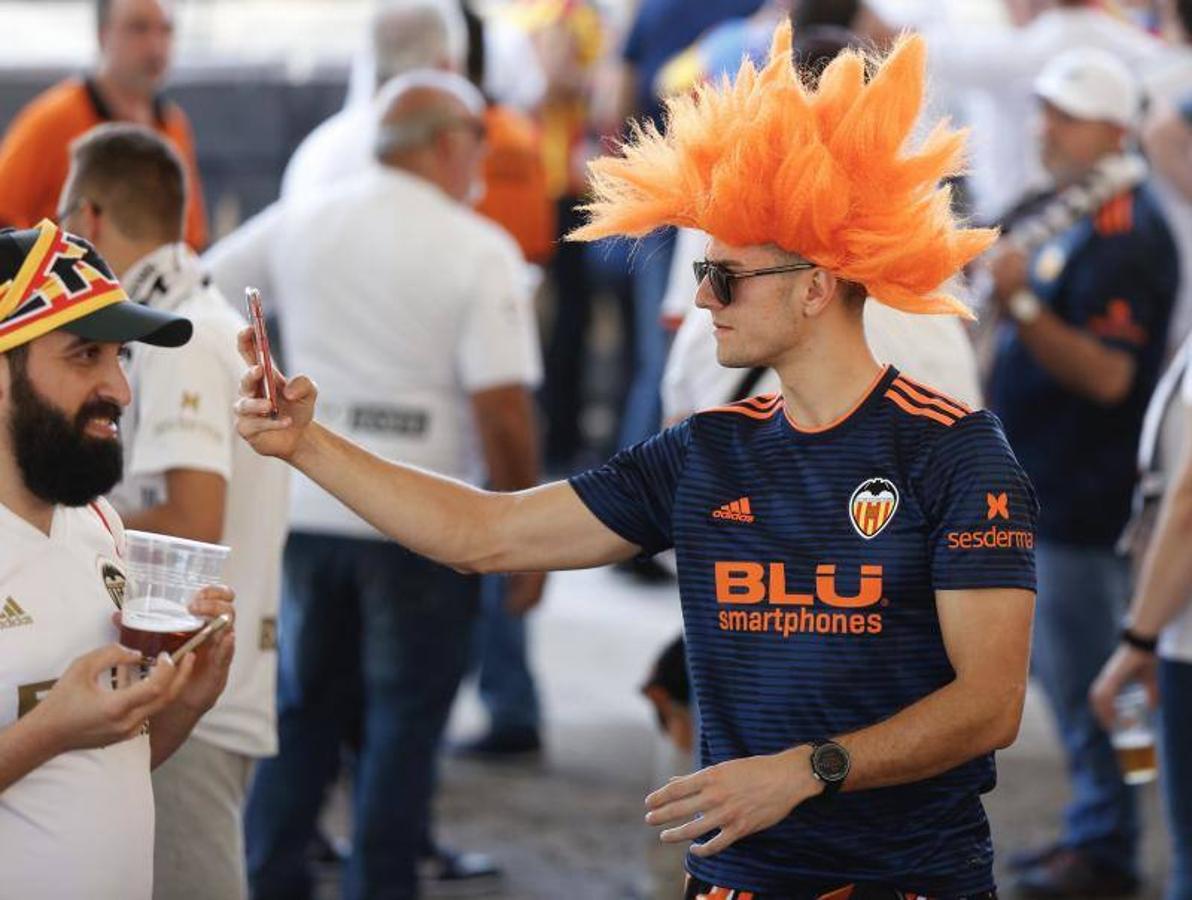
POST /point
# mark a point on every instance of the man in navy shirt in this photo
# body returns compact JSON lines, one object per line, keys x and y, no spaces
{"x":1085,"y":324}
{"x":855,"y":552}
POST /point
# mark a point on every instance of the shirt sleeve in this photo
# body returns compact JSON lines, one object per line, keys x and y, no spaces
{"x":1125,"y":291}
{"x":634,"y":492}
{"x":499,"y":342}
{"x":981,"y":509}
{"x":184,"y":419}
{"x":243,"y":257}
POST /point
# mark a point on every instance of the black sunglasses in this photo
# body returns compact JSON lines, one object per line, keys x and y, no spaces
{"x":721,"y":279}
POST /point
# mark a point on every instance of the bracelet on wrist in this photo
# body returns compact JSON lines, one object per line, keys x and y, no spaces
{"x":1138,"y":641}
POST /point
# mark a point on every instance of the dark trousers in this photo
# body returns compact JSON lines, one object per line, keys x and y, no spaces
{"x":578,"y":272}
{"x":369,"y":633}
{"x":501,"y":656}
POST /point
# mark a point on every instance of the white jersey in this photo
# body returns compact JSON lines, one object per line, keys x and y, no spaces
{"x":81,"y":825}
{"x":400,"y":303}
{"x":181,"y":418}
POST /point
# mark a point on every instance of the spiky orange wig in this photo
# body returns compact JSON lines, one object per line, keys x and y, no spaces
{"x":821,"y":173}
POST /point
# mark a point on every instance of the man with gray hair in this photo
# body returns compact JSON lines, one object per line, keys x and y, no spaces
{"x":404,"y":35}
{"x":413,"y":313}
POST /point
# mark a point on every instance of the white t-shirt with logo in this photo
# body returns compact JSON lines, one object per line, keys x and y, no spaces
{"x":400,"y":303}
{"x":181,"y":418}
{"x":81,"y":825}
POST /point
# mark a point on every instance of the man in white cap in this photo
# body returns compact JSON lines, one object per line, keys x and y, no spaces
{"x":1084,"y":321}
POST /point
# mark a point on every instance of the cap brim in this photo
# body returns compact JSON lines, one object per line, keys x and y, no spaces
{"x":126,"y":321}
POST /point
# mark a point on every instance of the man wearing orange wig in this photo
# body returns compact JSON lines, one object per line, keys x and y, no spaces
{"x":855,"y":552}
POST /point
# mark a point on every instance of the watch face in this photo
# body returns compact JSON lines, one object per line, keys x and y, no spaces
{"x":830,"y":762}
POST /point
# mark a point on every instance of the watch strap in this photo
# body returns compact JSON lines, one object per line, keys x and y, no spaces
{"x":1138,"y":642}
{"x":832,"y":784}
{"x":1024,"y":306}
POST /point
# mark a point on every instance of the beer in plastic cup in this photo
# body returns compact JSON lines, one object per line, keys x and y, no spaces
{"x":1132,"y":736}
{"x":164,"y":574}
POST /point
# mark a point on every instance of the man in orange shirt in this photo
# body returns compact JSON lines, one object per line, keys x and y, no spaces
{"x":135,"y":43}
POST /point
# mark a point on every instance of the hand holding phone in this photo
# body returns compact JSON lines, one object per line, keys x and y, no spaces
{"x":256,"y":316}
{"x":212,"y":628}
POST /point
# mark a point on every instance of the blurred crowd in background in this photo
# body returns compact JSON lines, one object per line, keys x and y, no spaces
{"x":280,"y":113}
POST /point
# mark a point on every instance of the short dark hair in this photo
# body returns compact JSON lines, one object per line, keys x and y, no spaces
{"x":103,"y":9}
{"x":855,"y":295}
{"x":134,"y":176}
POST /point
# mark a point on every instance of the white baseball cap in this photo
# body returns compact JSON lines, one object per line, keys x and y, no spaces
{"x":1093,"y":84}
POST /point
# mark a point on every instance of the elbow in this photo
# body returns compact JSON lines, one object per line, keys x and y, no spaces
{"x":1112,"y":385}
{"x":482,"y":546}
{"x":1111,"y":391}
{"x":1007,"y":718}
{"x":473,"y":567}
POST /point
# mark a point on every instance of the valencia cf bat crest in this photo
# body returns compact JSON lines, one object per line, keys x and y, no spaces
{"x":872,"y":506}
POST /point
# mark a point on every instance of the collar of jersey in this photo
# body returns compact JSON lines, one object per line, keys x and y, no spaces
{"x":165,"y":278}
{"x":870,"y":398}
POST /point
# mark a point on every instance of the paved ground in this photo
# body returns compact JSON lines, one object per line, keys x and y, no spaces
{"x":569,"y":826}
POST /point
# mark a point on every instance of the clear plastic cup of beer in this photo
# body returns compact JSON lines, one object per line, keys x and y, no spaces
{"x":1133,"y":737}
{"x":164,"y":573}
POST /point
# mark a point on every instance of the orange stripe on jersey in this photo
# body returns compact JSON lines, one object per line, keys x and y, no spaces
{"x":924,"y":411}
{"x":938,"y":396}
{"x":745,"y":410}
{"x":745,"y":506}
{"x":1116,"y":216}
{"x":914,"y":393}
{"x":762,"y":401}
{"x":839,"y":894}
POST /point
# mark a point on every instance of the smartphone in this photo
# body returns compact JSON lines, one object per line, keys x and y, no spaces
{"x":260,"y":338}
{"x":213,"y":627}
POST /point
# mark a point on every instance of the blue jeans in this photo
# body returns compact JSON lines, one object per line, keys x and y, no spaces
{"x":503,"y":674}
{"x":373,"y":636}
{"x":1081,"y":598}
{"x":1175,"y":770}
{"x":651,"y":268}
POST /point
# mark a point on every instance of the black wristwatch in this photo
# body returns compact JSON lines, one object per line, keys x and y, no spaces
{"x":830,"y":763}
{"x":1137,"y":641}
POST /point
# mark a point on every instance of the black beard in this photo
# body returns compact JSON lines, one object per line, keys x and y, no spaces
{"x":58,"y":462}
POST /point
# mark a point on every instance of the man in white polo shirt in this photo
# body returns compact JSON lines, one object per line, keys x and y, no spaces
{"x":187,"y":475}
{"x":413,"y":313}
{"x":78,"y":733}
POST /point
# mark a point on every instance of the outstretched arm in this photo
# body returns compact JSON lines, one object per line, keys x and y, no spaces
{"x":472,"y":530}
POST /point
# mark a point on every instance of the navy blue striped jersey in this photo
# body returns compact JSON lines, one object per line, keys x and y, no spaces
{"x":808,"y":565}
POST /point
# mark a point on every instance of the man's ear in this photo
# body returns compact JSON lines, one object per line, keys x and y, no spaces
{"x":821,"y":288}
{"x":91,"y":222}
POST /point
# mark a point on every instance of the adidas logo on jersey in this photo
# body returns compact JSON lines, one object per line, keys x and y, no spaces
{"x":12,"y":616}
{"x":737,"y":511}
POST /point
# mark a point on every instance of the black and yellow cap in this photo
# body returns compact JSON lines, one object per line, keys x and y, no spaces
{"x":51,"y":279}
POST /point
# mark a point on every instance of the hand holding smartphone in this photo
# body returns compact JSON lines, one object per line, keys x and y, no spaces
{"x":256,"y":316}
{"x":212,"y":628}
